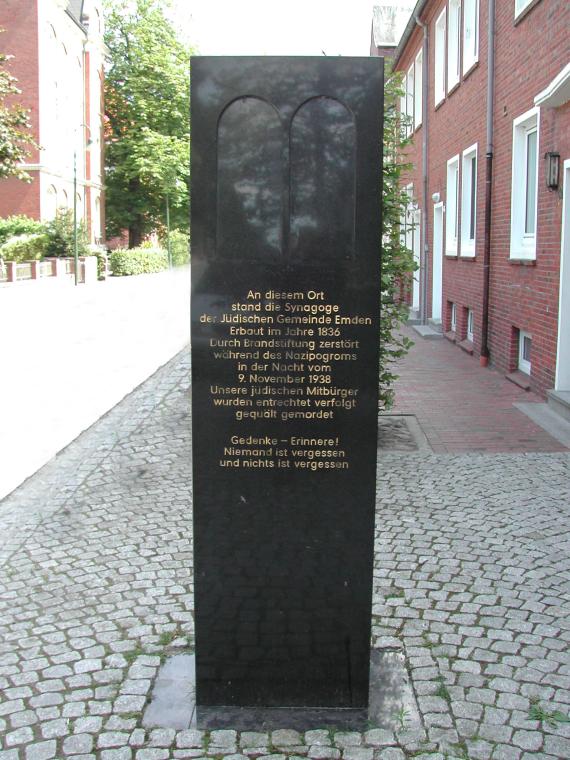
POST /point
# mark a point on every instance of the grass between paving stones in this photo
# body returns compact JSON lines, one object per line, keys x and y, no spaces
{"x":552,"y":718}
{"x":442,"y":691}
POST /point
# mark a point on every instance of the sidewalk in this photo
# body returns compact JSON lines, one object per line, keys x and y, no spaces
{"x":69,"y":354}
{"x":462,"y":406}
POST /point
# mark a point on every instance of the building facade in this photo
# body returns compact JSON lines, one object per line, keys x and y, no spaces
{"x":58,"y":61}
{"x":487,"y":93}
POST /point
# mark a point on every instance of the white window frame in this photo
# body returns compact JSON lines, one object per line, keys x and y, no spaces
{"x":524,"y":365}
{"x":418,"y":91}
{"x":468,"y":202}
{"x":403,"y":112}
{"x":410,"y":80}
{"x":523,"y":244}
{"x":453,"y":321}
{"x":453,"y":44}
{"x":406,"y":222}
{"x":452,"y":207}
{"x":470,"y":34}
{"x":470,"y":325}
{"x":521,"y":6}
{"x":439,"y":58}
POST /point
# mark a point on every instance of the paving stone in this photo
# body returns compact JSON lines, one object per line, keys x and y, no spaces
{"x":323,"y":752}
{"x":347,"y":739}
{"x":117,"y":754}
{"x":112,"y":739}
{"x":88,"y":725}
{"x":55,"y":728}
{"x":152,"y":754}
{"x":391,"y":753}
{"x":20,"y":736}
{"x":379,"y":737}
{"x":223,"y":738}
{"x":283,"y":737}
{"x":317,"y":737}
{"x":192,"y":738}
{"x":528,"y":740}
{"x":358,"y":753}
{"x":78,"y":744}
{"x":557,"y":746}
{"x":246,"y":739}
{"x":41,"y":750}
{"x":162,"y":737}
{"x":25,"y":718}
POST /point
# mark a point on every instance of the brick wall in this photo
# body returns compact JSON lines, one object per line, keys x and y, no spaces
{"x":529,"y":54}
{"x":20,"y":39}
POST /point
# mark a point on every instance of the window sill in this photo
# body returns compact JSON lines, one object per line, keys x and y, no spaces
{"x":417,"y":127}
{"x":522,"y":262}
{"x":467,"y":346}
{"x":468,"y":257}
{"x":525,"y":11}
{"x":519,"y":378}
{"x":470,"y":70}
{"x":451,"y":254}
{"x":453,"y":88}
{"x":439,"y":103}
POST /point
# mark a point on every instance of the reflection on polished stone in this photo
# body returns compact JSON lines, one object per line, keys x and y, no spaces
{"x":392,"y":703}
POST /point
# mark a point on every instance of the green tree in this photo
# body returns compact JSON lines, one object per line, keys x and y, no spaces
{"x":397,"y":260}
{"x":14,"y":125}
{"x":147,"y":105}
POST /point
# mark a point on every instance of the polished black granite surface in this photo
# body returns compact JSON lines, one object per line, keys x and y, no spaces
{"x":286,"y":184}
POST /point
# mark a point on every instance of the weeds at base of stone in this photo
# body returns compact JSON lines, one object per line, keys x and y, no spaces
{"x":167,"y":637}
{"x":132,"y":655}
{"x":401,"y":717}
{"x":552,"y":718}
{"x":442,"y":690}
{"x":460,"y":749}
{"x":427,"y":641}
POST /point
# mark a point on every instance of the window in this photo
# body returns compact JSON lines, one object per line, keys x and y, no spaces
{"x":453,"y":43}
{"x":410,"y":96}
{"x":406,"y":220}
{"x":525,"y":346}
{"x":439,"y":66}
{"x":520,"y":6}
{"x":469,"y":201}
{"x":524,"y":185}
{"x":470,"y":33}
{"x":453,"y":317}
{"x":418,"y":91}
{"x":411,"y":100}
{"x":452,"y":207}
{"x":470,"y":321}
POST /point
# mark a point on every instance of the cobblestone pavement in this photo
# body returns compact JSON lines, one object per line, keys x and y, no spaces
{"x":472,"y":582}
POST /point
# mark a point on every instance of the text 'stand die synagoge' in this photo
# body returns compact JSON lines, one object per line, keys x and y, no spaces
{"x":487,"y":91}
{"x":58,"y":60}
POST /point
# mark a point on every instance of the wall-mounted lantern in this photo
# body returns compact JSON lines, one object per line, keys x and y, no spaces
{"x":552,"y":170}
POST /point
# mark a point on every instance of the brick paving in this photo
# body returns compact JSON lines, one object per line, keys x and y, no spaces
{"x":471,"y":584}
{"x":462,"y":406}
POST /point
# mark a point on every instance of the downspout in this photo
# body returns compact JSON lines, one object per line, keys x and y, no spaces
{"x":424,"y":257}
{"x":484,"y":359}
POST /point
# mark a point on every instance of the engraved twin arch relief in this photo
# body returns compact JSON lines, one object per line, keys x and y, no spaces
{"x":286,"y":187}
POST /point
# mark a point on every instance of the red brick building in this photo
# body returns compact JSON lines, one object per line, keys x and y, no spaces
{"x":488,"y":93}
{"x":58,"y":61}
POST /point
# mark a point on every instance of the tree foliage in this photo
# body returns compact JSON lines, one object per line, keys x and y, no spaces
{"x":15,"y":138}
{"x":397,"y":260}
{"x":147,"y":105}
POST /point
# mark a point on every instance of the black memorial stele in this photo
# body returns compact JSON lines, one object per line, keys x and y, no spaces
{"x":286,"y":196}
